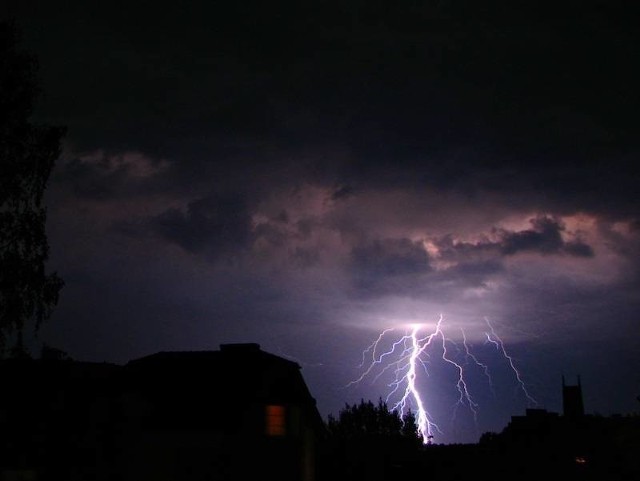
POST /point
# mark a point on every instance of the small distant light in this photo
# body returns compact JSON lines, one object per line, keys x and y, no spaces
{"x":581,"y":460}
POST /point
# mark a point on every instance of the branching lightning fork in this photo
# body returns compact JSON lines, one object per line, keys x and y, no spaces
{"x":408,"y":356}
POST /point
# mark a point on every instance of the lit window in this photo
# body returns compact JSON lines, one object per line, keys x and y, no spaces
{"x":275,"y":421}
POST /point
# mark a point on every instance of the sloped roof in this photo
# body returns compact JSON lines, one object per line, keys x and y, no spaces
{"x":243,"y":372}
{"x":245,"y":353}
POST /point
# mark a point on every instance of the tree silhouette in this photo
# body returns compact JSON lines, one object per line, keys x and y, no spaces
{"x":368,"y":420}
{"x":27,"y":156}
{"x":368,"y":441}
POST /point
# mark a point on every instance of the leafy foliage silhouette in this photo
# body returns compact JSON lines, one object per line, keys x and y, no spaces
{"x":369,"y":420}
{"x":368,"y":441}
{"x":27,"y":156}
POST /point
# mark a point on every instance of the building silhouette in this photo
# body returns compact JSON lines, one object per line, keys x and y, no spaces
{"x":574,"y":445}
{"x":572,"y":403}
{"x":242,"y":413}
{"x":235,"y":413}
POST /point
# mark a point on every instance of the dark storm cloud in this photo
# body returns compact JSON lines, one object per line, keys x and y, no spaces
{"x":402,"y":266}
{"x":544,"y":238}
{"x":91,"y":181}
{"x":470,"y":274}
{"x":342,"y":192}
{"x":390,"y":257}
{"x":536,"y":99}
{"x":388,"y":265}
{"x":212,"y":226}
{"x":279,"y":231}
{"x":104,"y":176}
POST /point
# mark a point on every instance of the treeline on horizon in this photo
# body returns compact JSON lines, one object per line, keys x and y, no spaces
{"x":370,"y":441}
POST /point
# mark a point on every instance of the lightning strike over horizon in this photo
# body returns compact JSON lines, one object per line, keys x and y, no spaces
{"x":409,"y":355}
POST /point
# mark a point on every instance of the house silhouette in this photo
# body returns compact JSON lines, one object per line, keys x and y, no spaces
{"x":573,"y":445}
{"x":235,"y":413}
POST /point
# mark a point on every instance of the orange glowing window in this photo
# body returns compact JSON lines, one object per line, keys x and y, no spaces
{"x":275,"y":420}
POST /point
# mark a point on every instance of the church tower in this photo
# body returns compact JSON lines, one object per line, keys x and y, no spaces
{"x":572,"y":405}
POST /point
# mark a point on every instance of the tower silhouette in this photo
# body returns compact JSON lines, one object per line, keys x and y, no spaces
{"x":572,"y":405}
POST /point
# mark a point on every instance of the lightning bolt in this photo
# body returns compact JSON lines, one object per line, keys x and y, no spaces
{"x":484,"y":367}
{"x":409,"y":355}
{"x":494,"y":339}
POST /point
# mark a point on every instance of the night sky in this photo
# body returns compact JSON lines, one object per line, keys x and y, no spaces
{"x":306,"y":174}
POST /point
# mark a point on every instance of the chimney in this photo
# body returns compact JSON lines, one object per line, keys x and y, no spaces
{"x":246,"y":347}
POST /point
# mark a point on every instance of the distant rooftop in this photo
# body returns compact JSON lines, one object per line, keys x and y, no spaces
{"x":238,"y":353}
